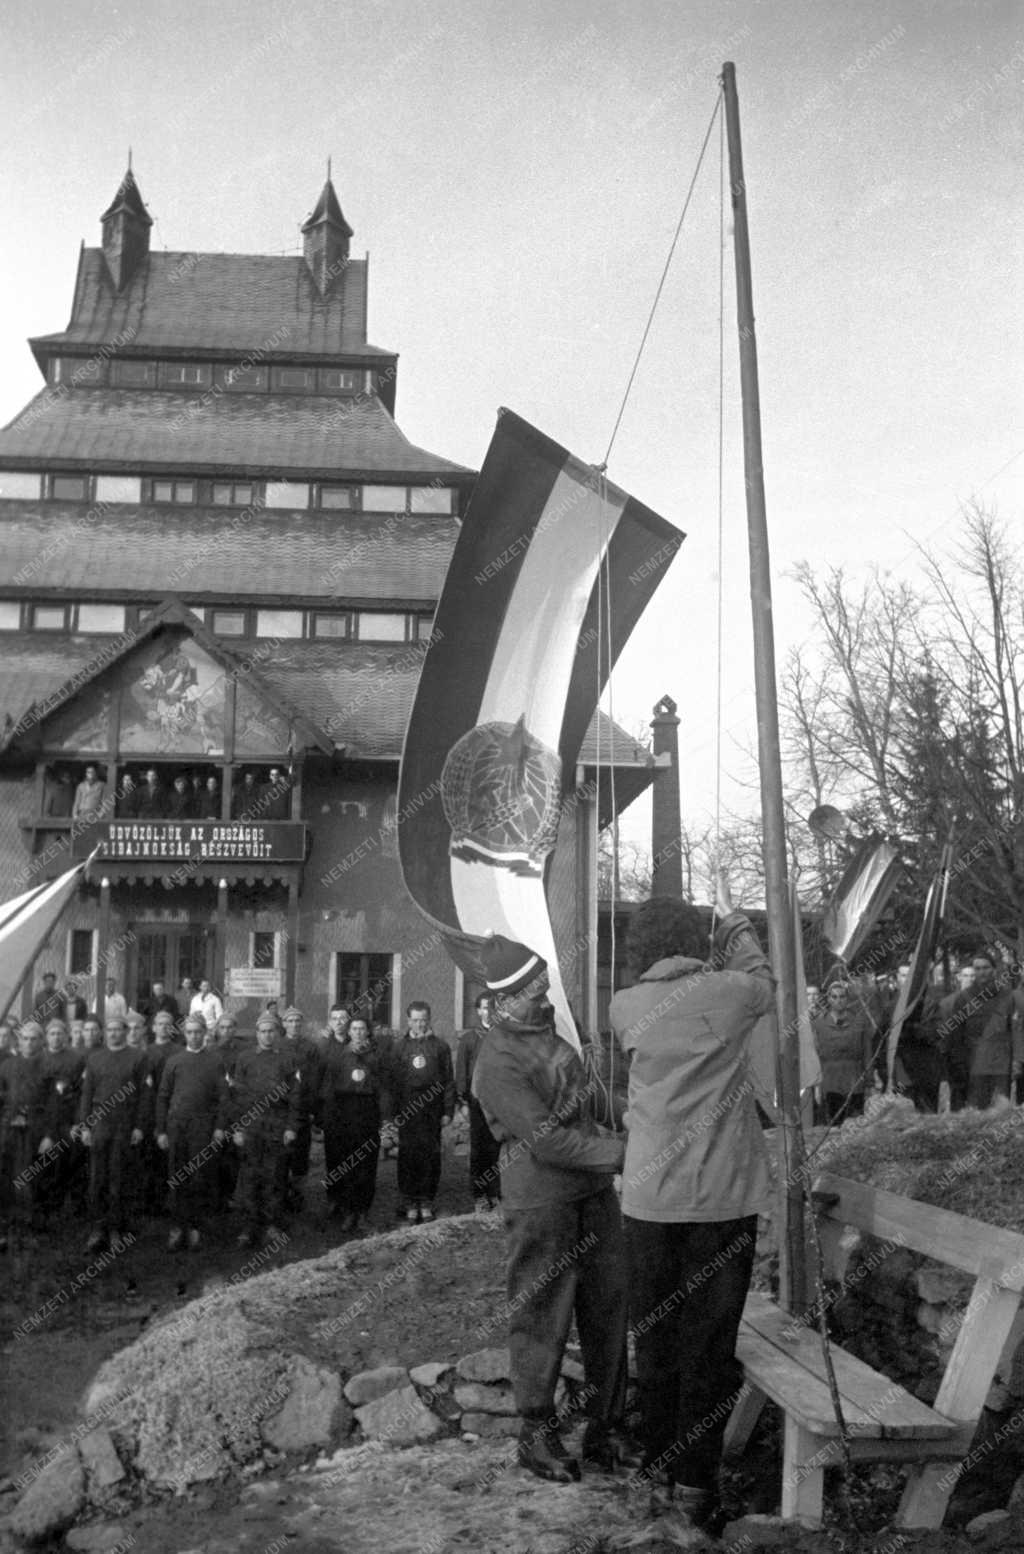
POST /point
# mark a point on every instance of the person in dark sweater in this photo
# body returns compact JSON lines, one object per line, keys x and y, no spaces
{"x":484,"y":1149}
{"x":113,"y":1098}
{"x":305,"y":1054}
{"x":189,"y":1105}
{"x":262,"y":1113}
{"x":566,"y":1254}
{"x":423,"y":1095}
{"x":23,"y":1089}
{"x":350,"y":1098}
{"x":228,"y":1042}
{"x":65,"y":1170}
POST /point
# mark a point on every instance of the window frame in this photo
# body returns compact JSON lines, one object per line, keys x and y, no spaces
{"x":315,"y":615}
{"x":271,"y":933}
{"x":165,"y":369}
{"x":218,"y":631}
{"x":354,"y":492}
{"x":174,"y":481}
{"x":393,"y":980}
{"x":52,"y":494}
{"x":69,"y":958}
{"x":233,"y":486}
{"x":100,"y":631}
{"x":50,"y":604}
{"x":18,"y":608}
{"x":271,"y":609}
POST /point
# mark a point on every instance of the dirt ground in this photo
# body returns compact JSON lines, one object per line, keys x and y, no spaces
{"x":424,"y":1500}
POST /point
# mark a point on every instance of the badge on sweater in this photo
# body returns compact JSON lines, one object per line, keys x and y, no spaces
{"x":419,"y":1061}
{"x":358,"y":1075}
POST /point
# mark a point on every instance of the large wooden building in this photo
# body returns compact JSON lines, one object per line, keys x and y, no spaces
{"x":219,"y":562}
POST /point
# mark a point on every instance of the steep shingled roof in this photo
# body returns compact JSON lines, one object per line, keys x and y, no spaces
{"x":224,"y":553}
{"x":219,"y":302}
{"x":241,"y":433}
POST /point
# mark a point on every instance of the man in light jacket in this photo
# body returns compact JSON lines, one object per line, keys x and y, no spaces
{"x":694,"y":1181}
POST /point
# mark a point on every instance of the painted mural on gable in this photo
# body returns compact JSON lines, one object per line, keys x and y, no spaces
{"x":173,"y":699}
{"x":84,"y":725}
{"x":259,"y":730}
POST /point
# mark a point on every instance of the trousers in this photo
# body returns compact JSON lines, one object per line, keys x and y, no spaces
{"x":566,"y":1260}
{"x":484,"y":1154}
{"x":689,"y":1285}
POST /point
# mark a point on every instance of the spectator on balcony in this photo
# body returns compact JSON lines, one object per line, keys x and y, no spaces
{"x":88,"y":796}
{"x":59,"y":799}
{"x":209,"y":800}
{"x":245,"y":797}
{"x":196,"y":795}
{"x":180,"y":805}
{"x":151,"y":804}
{"x":275,"y":799}
{"x":128,"y":797}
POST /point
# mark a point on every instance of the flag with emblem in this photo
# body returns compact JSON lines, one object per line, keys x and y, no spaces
{"x":26,"y":923}
{"x":552,"y":569}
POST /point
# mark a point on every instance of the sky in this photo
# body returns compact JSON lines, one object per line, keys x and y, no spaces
{"x":516,"y":173}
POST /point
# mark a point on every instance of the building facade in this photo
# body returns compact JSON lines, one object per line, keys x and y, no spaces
{"x":220,"y":563}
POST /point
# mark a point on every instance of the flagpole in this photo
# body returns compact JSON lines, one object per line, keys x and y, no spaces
{"x":781,"y":936}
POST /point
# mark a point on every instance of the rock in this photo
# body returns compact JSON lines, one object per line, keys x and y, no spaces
{"x":490,"y":1425}
{"x":99,"y":1457}
{"x":368,"y":1385}
{"x":100,"y":1538}
{"x":52,"y":1500}
{"x":987,"y":1523}
{"x":477,"y":1397}
{"x":485,"y":1365}
{"x":427,"y":1375}
{"x":399,"y":1418}
{"x":1016,"y":1500}
{"x":759,"y":1532}
{"x":308,"y":1413}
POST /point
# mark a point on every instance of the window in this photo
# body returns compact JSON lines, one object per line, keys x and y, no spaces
{"x":118,"y":488}
{"x":49,"y":617}
{"x":19,"y":483}
{"x":293,"y":377}
{"x":69,"y":488}
{"x":231,"y":493}
{"x":379,"y":626}
{"x":134,"y":374}
{"x":287,"y":493}
{"x":101,"y":617}
{"x":431,"y":499}
{"x":345,"y":380}
{"x":243,"y":379}
{"x":330,"y":623}
{"x":263,"y":949}
{"x":189,"y":374}
{"x":384,"y":499}
{"x":10,"y":614}
{"x":228,"y":623}
{"x":338,"y":496}
{"x":422,"y":625}
{"x":364,"y":983}
{"x":82,"y":952}
{"x":279,"y":623}
{"x":182,"y":491}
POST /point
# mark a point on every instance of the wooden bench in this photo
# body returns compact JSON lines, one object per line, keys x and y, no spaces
{"x":782,"y":1359}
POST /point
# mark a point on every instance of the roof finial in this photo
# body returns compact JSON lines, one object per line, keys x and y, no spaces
{"x":328,"y":169}
{"x":129,"y":158}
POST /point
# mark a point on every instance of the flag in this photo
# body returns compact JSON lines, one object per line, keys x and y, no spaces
{"x":919,"y":970}
{"x":553,"y":566}
{"x":25,"y":924}
{"x":861,"y":895}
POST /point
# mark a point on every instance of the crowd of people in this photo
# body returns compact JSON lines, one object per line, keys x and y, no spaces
{"x":156,"y":793}
{"x":172,"y":1109}
{"x":964,"y":1047}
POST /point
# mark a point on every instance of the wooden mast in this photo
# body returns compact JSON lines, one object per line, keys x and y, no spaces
{"x":782,"y":949}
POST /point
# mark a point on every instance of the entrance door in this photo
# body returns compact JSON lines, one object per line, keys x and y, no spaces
{"x":167,"y":954}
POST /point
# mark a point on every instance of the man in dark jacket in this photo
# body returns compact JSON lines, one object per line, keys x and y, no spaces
{"x":113,"y":1091}
{"x":695,"y":1179}
{"x":423,"y":1095}
{"x":565,"y":1249}
{"x":262,"y":1113}
{"x":189,"y":1105}
{"x":484,"y":1149}
{"x":23,"y":1118}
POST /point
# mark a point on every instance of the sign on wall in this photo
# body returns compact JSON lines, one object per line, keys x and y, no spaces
{"x":254,"y":982}
{"x":222,"y":841}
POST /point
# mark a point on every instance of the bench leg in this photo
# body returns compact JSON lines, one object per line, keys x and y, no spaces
{"x":926,"y":1495}
{"x":803,"y":1472}
{"x":743,"y":1418}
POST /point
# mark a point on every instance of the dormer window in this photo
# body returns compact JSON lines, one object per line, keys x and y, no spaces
{"x":133,"y":374}
{"x":293,"y":377}
{"x":69,"y":488}
{"x":178,"y":491}
{"x":242,"y":379}
{"x":343,"y":380}
{"x":338,"y":497}
{"x":231,"y":493}
{"x":185,"y":374}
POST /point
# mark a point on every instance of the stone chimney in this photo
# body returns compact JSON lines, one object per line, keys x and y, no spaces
{"x":125,"y":228}
{"x":325,"y":237}
{"x":666,"y":822}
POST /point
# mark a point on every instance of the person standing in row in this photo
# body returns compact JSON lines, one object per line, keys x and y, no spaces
{"x":566,"y":1256}
{"x":188,"y":1114}
{"x":350,"y":1098}
{"x":484,"y":1149}
{"x":206,"y":1004}
{"x":695,"y":1179}
{"x":113,"y":1090}
{"x":262,"y":1112}
{"x":423,"y":1096}
{"x":304,"y":1053}
{"x":65,"y":1170}
{"x":845,"y":1039}
{"x":23,"y":1093}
